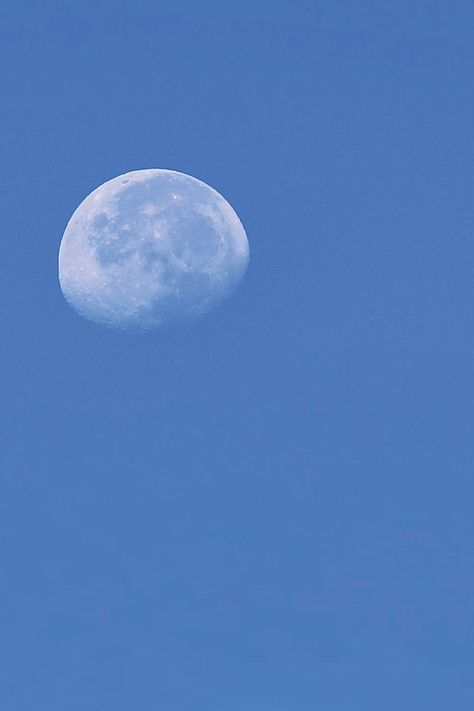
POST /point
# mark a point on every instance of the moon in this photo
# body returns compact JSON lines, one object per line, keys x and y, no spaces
{"x":150,"y":247}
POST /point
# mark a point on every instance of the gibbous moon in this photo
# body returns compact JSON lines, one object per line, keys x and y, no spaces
{"x":150,"y":247}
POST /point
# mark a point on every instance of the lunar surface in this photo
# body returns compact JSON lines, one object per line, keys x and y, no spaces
{"x":150,"y":247}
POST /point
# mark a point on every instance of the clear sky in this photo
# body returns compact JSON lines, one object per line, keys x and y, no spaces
{"x":270,"y":509}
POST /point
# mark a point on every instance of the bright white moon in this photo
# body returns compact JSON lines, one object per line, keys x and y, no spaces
{"x":150,"y":247}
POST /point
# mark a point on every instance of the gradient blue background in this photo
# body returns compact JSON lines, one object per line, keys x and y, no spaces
{"x":270,"y":509}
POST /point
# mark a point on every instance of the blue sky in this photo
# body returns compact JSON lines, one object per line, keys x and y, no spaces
{"x":269,"y":509}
